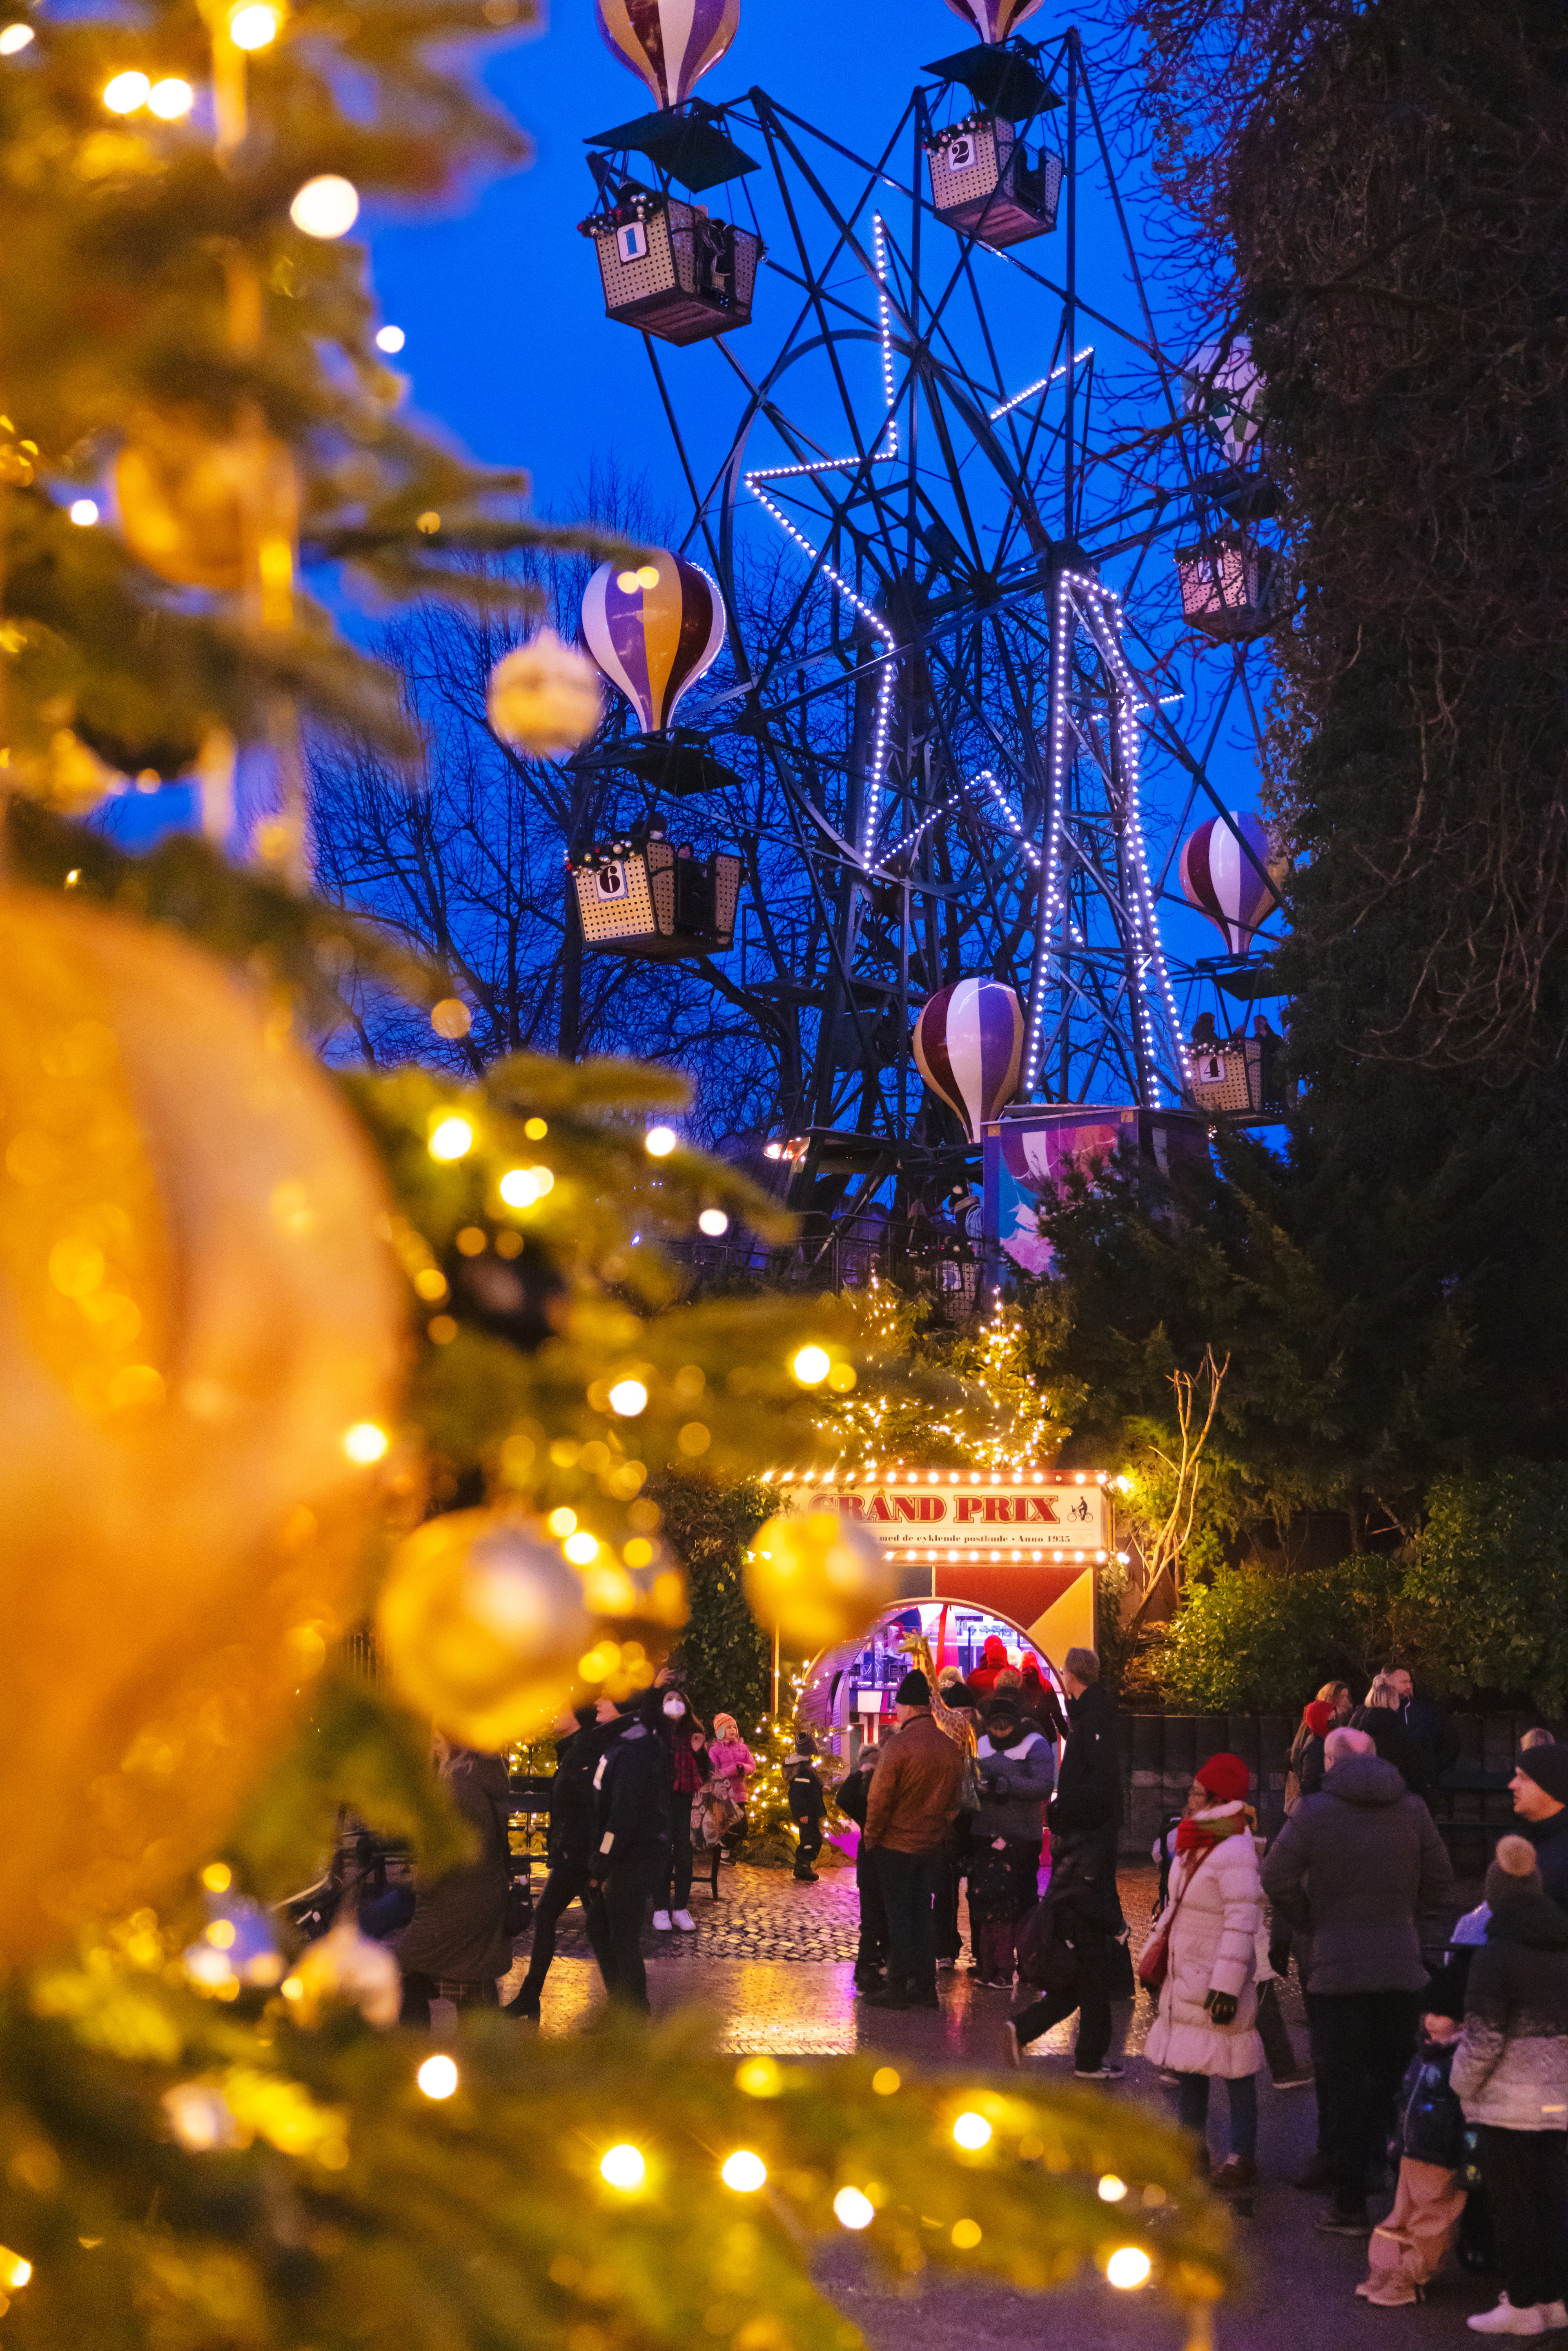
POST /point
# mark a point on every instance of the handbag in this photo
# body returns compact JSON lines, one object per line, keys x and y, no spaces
{"x":1155,"y":1964}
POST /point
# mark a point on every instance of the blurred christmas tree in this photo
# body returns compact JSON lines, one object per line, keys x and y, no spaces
{"x":268,"y":1358}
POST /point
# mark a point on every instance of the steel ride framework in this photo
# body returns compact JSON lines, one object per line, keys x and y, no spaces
{"x":965,"y":723}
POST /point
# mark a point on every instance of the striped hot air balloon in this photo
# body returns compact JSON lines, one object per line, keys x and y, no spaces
{"x":653,"y":630}
{"x":994,"y":19}
{"x":968,"y":1043}
{"x":669,"y":44}
{"x":1221,"y":880}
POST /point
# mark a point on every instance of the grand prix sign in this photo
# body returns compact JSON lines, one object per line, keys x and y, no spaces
{"x":961,"y":1514}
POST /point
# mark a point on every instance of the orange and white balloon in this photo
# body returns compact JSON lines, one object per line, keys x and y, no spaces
{"x":654,"y":627}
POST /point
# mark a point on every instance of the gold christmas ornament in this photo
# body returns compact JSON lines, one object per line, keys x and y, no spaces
{"x":194,"y":1312}
{"x":206,"y":513}
{"x":545,"y":697}
{"x":818,"y":1578}
{"x":483,"y":1623}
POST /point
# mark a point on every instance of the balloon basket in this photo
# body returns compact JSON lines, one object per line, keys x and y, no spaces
{"x":983,"y":184}
{"x":1230,"y":587}
{"x":640,"y":896}
{"x":669,"y":270}
{"x":1240,"y":1076}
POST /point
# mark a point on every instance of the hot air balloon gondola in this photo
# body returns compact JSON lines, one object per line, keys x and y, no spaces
{"x":985,"y":181}
{"x":1230,"y":586}
{"x":1237,"y":1077}
{"x":641,"y":895}
{"x":665,"y":266}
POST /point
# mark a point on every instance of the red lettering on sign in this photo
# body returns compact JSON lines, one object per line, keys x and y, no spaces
{"x":877,"y":1508}
{"x":1041,"y":1510}
{"x":906,"y":1506}
{"x":932,"y":1507}
{"x":998,"y":1510}
{"x":969,"y":1507}
{"x":851,"y":1506}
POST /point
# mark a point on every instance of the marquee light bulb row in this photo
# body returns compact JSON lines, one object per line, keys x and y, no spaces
{"x":1056,"y":753}
{"x":884,"y":455}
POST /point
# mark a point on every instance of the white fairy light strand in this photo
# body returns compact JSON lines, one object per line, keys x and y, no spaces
{"x":1043,"y":385}
{"x":885,"y":455}
{"x":1101,"y":611}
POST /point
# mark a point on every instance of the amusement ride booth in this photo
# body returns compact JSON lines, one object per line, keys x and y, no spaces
{"x":981,"y":1556}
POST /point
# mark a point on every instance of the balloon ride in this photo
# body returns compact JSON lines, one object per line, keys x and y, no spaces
{"x":968,"y":1044}
{"x":994,"y":19}
{"x":654,"y":628}
{"x":669,"y":44}
{"x":1224,"y":874}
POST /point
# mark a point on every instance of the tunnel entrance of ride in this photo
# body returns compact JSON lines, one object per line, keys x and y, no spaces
{"x":847,"y":1698}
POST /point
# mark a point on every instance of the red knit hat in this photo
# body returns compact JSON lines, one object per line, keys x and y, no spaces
{"x":1226,"y":1777}
{"x":1318,"y":1717}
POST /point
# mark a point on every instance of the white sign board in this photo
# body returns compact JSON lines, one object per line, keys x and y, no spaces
{"x":962,"y":1514}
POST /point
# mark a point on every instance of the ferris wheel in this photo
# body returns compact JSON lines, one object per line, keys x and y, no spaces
{"x":995,"y":578}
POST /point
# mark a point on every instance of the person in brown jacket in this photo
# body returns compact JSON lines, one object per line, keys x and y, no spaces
{"x":914,"y":1800}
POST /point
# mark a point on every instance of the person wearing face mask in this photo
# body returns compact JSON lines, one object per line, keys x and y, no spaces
{"x":684,"y":1736}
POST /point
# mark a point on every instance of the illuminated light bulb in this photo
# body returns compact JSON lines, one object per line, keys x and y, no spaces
{"x":389,"y":339}
{"x":628,"y":1398}
{"x":217,"y":1878}
{"x":171,"y":99}
{"x":451,"y":1138}
{"x":810,"y":1366}
{"x":627,"y":581}
{"x":854,"y":2210}
{"x":366,"y":1442}
{"x":84,"y":512}
{"x":254,"y":26}
{"x":885,"y":2081}
{"x":221,"y":1933}
{"x":712,"y":1221}
{"x":581,"y":1548}
{"x":966,"y":2235}
{"x":624,"y":2167}
{"x":15,"y":2270}
{"x":326,"y":207}
{"x":1129,"y":2266}
{"x":437,"y":2077}
{"x":126,"y":93}
{"x":15,"y":38}
{"x":1111,"y":2189}
{"x":972,"y":2130}
{"x":744,"y":2172}
{"x":562,"y":1521}
{"x":659,"y":1142}
{"x":535,"y":1129}
{"x":520,"y":1187}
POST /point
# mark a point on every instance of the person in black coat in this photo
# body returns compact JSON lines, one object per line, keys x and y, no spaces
{"x":871,"y":1955}
{"x":1088,"y":1799}
{"x":457,"y":1946}
{"x":632,"y":1843}
{"x":1432,"y":1730}
{"x":808,"y":1810}
{"x":1383,"y":1722}
{"x":582,"y":1735}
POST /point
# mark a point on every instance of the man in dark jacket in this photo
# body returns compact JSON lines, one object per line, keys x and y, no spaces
{"x":1088,"y":1803}
{"x":1435,"y":1740}
{"x":914,"y":1799}
{"x":853,"y":1799}
{"x":573,"y":1809}
{"x":1540,"y":1793}
{"x":632,"y":1846}
{"x":1081,"y":1929}
{"x":1353,"y":1872}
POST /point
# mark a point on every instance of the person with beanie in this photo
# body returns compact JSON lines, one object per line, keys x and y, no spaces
{"x":1206,"y":2026}
{"x":1017,"y":1772}
{"x":1511,"y":2077}
{"x":1540,"y":1792}
{"x":1304,"y":1776}
{"x":731,"y":1766}
{"x":994,"y":1660}
{"x":914,"y":1797}
{"x":1353,"y":1872}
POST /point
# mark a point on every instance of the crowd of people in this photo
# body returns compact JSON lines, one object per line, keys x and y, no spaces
{"x":1443,"y":2042}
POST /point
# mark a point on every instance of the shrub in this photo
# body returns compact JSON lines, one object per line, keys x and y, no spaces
{"x":1255,"y":1642}
{"x":1484,"y":1599}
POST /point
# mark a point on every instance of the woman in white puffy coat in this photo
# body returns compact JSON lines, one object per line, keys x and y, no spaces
{"x":1208,"y":2000}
